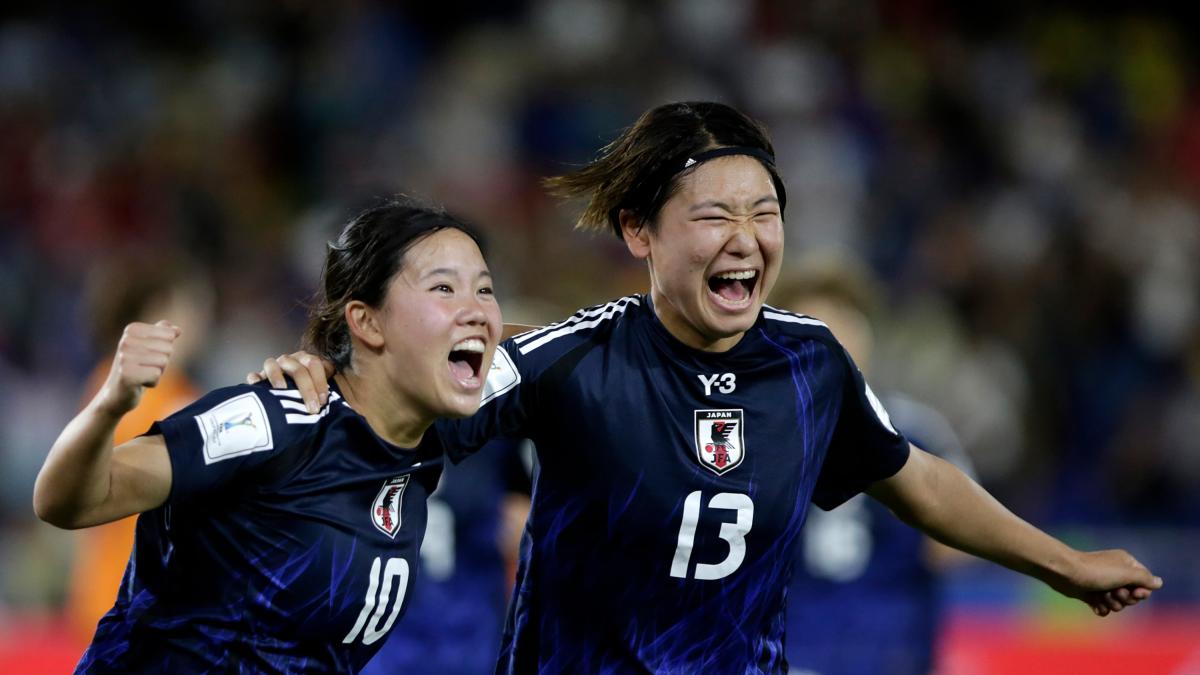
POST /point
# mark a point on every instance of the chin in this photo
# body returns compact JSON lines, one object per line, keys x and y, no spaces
{"x":734,"y":325}
{"x":465,"y":407}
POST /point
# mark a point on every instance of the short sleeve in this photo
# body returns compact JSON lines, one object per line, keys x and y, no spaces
{"x":503,"y":410}
{"x":865,"y":446}
{"x":223,"y":436}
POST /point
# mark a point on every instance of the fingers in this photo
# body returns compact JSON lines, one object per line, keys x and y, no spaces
{"x":1123,"y":596}
{"x":158,"y":337}
{"x":140,"y":367}
{"x":1143,"y":577}
{"x":274,"y":373}
{"x":318,"y":369}
{"x":163,"y":323}
{"x":308,"y":373}
{"x":144,"y":352}
{"x":1113,"y":602}
{"x":1103,"y":604}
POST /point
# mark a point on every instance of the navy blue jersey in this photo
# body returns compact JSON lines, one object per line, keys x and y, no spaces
{"x":673,"y":484}
{"x":864,"y":599}
{"x":455,"y":616}
{"x":288,"y":542}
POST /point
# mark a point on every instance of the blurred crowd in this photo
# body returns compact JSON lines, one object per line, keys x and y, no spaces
{"x":1023,"y":184}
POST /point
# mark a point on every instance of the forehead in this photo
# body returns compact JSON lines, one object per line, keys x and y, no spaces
{"x":448,"y":248}
{"x":733,"y":180}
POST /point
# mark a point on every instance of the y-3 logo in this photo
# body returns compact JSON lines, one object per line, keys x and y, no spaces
{"x":724,"y":382}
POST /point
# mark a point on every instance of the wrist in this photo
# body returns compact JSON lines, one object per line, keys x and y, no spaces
{"x":110,"y":405}
{"x":1062,"y":566}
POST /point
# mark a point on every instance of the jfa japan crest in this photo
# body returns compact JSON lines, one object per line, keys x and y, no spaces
{"x":720,"y":444}
{"x":385,"y":512}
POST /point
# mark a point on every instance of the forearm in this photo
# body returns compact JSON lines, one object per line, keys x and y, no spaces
{"x":77,"y":474}
{"x":947,"y":505}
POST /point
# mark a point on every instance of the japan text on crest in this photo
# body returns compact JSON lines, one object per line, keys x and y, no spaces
{"x":385,"y":512}
{"x":720,"y":439}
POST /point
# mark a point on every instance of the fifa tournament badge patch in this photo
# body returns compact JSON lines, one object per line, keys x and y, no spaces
{"x":234,"y":428}
{"x":720,"y":438}
{"x":385,"y":512}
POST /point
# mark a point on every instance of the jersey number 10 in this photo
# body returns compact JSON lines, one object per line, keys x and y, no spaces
{"x":734,"y":533}
{"x":395,"y":570}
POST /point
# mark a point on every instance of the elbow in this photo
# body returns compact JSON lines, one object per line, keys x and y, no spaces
{"x":59,"y":518}
{"x":54,"y":512}
{"x":47,"y":513}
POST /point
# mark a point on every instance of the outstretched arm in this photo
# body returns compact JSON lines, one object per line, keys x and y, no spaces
{"x":933,"y":495}
{"x":311,"y":373}
{"x":84,"y":481}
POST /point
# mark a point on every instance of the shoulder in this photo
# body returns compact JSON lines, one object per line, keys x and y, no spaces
{"x":590,"y":325}
{"x":249,"y":418}
{"x":258,"y":401}
{"x":790,"y":328}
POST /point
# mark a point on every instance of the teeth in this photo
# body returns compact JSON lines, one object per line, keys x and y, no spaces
{"x":469,"y":345}
{"x":738,"y":276}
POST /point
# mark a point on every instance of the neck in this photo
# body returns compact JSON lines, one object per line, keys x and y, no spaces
{"x":672,"y":319}
{"x":392,"y":419}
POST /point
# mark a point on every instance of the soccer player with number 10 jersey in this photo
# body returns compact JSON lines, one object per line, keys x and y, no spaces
{"x":273,"y":536}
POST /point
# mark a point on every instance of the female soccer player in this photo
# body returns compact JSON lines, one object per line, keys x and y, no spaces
{"x":275,"y":537}
{"x":682,"y":433}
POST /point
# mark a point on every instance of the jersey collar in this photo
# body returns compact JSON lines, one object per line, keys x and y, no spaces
{"x":663,"y":337}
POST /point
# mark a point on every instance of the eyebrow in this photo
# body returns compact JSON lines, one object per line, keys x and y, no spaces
{"x":725,"y":207}
{"x":452,"y":272}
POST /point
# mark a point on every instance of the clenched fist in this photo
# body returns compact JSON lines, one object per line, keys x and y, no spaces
{"x":142,"y":355}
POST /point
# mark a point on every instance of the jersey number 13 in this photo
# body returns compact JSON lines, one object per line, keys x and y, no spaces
{"x":733,"y":533}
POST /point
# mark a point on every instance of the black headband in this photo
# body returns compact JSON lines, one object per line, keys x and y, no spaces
{"x":659,"y":179}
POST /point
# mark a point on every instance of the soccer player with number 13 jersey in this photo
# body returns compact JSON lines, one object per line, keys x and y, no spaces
{"x":683,"y":433}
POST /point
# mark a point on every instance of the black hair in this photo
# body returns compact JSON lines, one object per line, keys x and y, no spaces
{"x":361,"y":264}
{"x":641,"y":169}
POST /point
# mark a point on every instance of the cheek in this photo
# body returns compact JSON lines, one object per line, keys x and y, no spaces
{"x":419,"y":324}
{"x":698,"y":259}
{"x":770,"y":237}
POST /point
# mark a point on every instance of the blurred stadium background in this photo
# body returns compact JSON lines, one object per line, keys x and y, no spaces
{"x":1024,"y":180}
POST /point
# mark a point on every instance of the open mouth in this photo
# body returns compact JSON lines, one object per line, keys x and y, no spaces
{"x":466,"y":361}
{"x":733,"y":289}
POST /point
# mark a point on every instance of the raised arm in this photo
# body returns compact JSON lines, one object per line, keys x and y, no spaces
{"x":84,"y":481}
{"x":934,"y":496}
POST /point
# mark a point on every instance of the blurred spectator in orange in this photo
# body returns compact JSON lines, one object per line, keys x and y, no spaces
{"x":124,"y":289}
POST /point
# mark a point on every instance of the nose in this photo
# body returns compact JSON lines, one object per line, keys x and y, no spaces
{"x":472,"y":312}
{"x":744,"y":240}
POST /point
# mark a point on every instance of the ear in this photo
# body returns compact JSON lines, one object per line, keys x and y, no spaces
{"x":635,"y":234}
{"x":364,"y":324}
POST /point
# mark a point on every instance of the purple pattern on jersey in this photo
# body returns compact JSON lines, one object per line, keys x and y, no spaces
{"x":638,"y":556}
{"x":261,"y":561}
